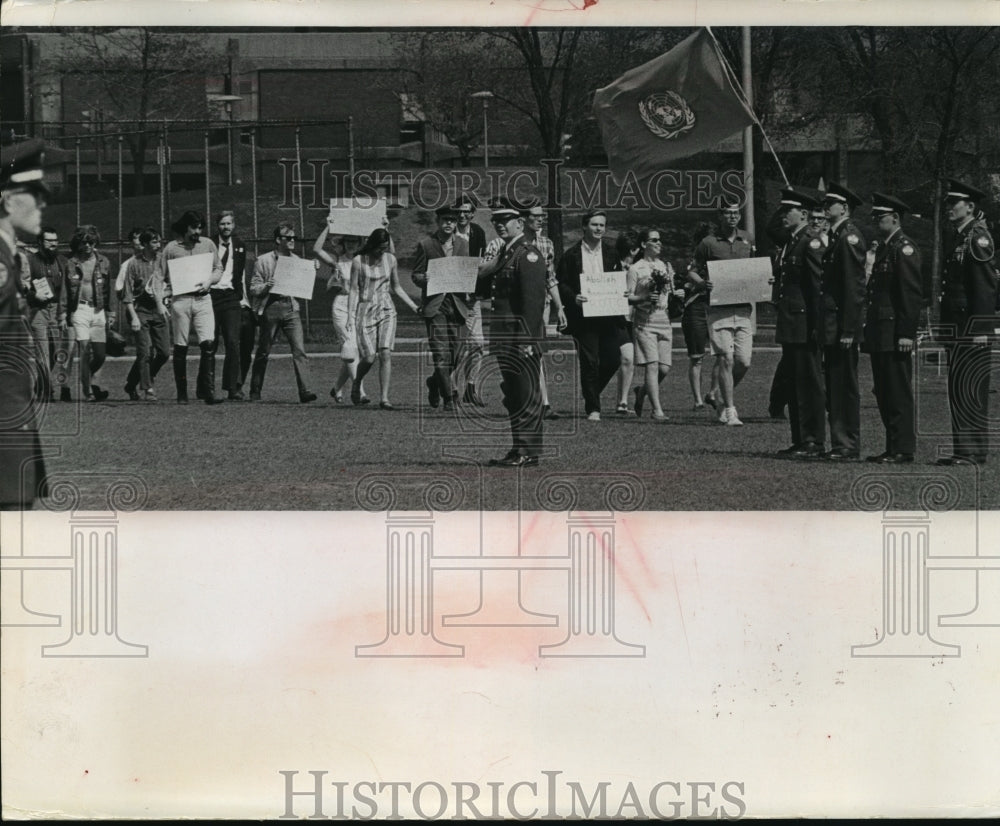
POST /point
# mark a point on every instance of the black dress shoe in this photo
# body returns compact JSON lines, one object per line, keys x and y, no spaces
{"x":65,"y":395}
{"x":877,"y":459}
{"x":947,"y":461}
{"x":305,"y":398}
{"x":774,"y":413}
{"x":211,"y":398}
{"x":809,"y":450}
{"x":788,"y":451}
{"x":132,"y":393}
{"x":236,"y":396}
{"x":515,"y":460}
{"x":99,"y":395}
{"x":433,"y":391}
{"x":898,"y":459}
{"x":839,"y":455}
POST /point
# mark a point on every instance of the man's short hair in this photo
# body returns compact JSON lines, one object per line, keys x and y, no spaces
{"x":134,"y":232}
{"x":46,"y":230}
{"x":148,"y":234}
{"x":594,"y":213}
{"x":284,"y":225}
{"x":225,"y":213}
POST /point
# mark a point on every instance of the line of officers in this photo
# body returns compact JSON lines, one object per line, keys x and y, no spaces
{"x":833,"y":294}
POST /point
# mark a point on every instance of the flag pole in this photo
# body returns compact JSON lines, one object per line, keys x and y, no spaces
{"x":748,"y":211}
{"x":742,"y":95}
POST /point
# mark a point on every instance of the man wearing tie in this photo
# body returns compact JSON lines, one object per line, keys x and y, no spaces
{"x":227,"y":304}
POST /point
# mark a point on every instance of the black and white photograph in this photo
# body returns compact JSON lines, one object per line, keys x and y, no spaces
{"x":547,"y":408}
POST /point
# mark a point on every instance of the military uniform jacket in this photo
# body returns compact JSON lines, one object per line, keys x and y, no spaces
{"x":797,"y":289}
{"x":969,"y":283}
{"x":894,"y":295}
{"x":519,"y":286}
{"x":843,"y":284}
{"x":17,"y":350}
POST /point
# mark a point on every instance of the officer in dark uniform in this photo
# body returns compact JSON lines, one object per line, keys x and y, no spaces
{"x":969,"y":319}
{"x":797,"y":294}
{"x":843,"y":305}
{"x":22,"y":198}
{"x":892,"y":312}
{"x":516,"y":328}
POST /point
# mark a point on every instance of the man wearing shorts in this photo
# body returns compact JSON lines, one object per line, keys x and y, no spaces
{"x":84,"y":301}
{"x":730,"y":327}
{"x":193,"y":308}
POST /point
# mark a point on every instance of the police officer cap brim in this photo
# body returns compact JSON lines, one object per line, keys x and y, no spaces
{"x":21,"y":167}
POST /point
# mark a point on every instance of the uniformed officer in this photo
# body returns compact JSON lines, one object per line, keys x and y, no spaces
{"x":516,"y":327}
{"x":797,"y":293}
{"x":969,"y":318}
{"x":892,"y":312}
{"x":22,"y":198}
{"x":842,"y":307}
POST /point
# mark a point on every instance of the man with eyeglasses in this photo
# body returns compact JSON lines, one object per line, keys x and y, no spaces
{"x":841,"y":325}
{"x":475,"y":341}
{"x":730,"y":327}
{"x":49,"y":269}
{"x":534,"y":232}
{"x":277,"y":312}
{"x":444,"y":314}
{"x":819,"y":223}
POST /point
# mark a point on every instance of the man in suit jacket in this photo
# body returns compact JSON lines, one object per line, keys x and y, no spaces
{"x":475,"y":340}
{"x":227,"y":296}
{"x":969,"y":296}
{"x":798,"y":273}
{"x":892,"y":313}
{"x":444,"y":314}
{"x":22,"y":198}
{"x":843,"y":303}
{"x":598,"y":339}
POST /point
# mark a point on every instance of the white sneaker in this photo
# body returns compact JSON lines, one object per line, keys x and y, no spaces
{"x":594,"y":417}
{"x":723,"y":411}
{"x":732,"y":420}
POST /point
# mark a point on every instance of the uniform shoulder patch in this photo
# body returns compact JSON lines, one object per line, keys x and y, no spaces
{"x":982,"y":246}
{"x":853,"y":240}
{"x":3,"y":274}
{"x":532,"y":257}
{"x":907,"y":249}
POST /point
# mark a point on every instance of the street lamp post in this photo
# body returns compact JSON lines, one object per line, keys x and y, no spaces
{"x":485,"y":98}
{"x":228,"y":101}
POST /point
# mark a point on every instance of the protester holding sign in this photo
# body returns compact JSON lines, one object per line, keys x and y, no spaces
{"x":277,"y":312}
{"x":598,"y":339}
{"x":191,"y":303}
{"x":370,"y":307}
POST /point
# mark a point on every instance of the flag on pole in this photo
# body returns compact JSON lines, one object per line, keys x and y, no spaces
{"x":677,"y":104}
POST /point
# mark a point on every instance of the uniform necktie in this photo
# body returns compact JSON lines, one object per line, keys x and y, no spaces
{"x":225,"y":255}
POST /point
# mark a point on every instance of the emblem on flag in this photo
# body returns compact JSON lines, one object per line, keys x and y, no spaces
{"x":666,"y":114}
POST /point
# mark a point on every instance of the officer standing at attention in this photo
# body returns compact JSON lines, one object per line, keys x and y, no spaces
{"x":843,"y":304}
{"x":969,"y":316}
{"x":22,"y":198}
{"x":798,"y":276}
{"x":516,"y":327}
{"x":892,"y":313}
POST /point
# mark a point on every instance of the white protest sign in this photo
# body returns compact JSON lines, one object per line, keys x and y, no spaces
{"x":190,"y":273}
{"x":452,"y":274}
{"x":739,"y":281}
{"x":295,"y":277}
{"x":356,"y":216}
{"x":605,"y":294}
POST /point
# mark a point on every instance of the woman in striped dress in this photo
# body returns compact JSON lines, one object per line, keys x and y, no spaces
{"x":371,"y":311}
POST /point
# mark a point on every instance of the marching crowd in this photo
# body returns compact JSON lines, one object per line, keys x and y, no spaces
{"x":834,"y":293}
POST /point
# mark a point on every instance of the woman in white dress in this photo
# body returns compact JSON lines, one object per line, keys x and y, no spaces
{"x":371,"y":312}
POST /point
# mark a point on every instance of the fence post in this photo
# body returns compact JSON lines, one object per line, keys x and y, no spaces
{"x":350,"y":155}
{"x":302,"y":221}
{"x":253,"y":177}
{"x":166,"y":172}
{"x":208,"y":182}
{"x":121,"y":195}
{"x":78,"y":183}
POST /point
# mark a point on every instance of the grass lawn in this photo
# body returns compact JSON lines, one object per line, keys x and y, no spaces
{"x":278,"y":454}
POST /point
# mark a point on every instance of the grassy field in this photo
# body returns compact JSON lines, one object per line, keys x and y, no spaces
{"x":278,"y":454}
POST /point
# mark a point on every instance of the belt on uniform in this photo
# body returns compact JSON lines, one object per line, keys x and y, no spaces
{"x":86,"y":301}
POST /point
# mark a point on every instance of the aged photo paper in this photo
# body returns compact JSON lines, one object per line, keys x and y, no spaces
{"x":453,"y":661}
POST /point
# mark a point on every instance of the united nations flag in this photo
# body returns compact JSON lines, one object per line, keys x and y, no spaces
{"x":673,"y":106}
